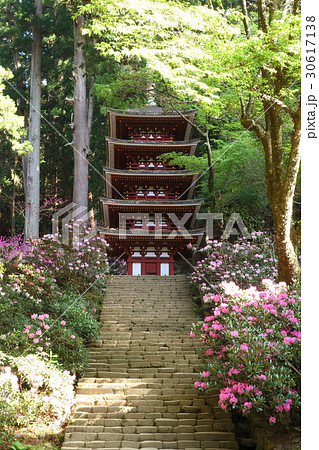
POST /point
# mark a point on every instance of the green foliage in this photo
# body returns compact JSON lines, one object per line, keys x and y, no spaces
{"x":201,"y":57}
{"x":11,"y":124}
{"x":33,"y":392}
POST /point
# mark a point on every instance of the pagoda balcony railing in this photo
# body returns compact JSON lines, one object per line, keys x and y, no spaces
{"x":149,"y":166}
{"x":150,"y":135}
{"x":150,"y":226}
{"x":153,"y":195}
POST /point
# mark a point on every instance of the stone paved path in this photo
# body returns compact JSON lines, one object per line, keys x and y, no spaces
{"x":138,"y":390}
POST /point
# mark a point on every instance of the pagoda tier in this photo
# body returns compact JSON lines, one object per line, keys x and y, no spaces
{"x":149,"y":213}
{"x":112,"y":208}
{"x":149,"y":253}
{"x":137,"y":155}
{"x":149,"y":185}
{"x":150,"y":124}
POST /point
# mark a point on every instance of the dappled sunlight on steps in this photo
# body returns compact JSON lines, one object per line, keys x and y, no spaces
{"x":138,"y":390}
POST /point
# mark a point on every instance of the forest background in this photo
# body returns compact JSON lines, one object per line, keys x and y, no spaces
{"x":236,"y":62}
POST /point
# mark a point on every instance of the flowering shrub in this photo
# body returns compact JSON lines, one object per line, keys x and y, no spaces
{"x":50,"y":295}
{"x":82,"y":265}
{"x":246,"y":262}
{"x":117,"y":266}
{"x":12,"y":248}
{"x":251,"y":348}
{"x":33,"y":390}
{"x":32,"y":309}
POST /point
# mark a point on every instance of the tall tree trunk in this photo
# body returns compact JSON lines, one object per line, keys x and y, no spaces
{"x":31,"y":162}
{"x":82,"y":125}
{"x":245,"y":18}
{"x":13,"y":200}
{"x":281,"y":178}
{"x":211,"y":173}
{"x":281,"y":170}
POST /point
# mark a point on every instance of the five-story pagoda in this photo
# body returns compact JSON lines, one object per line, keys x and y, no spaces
{"x":149,"y":212}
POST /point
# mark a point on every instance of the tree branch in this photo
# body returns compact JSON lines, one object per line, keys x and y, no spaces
{"x":279,"y":103}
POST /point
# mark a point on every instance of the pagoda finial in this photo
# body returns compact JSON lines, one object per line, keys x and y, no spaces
{"x":150,"y":94}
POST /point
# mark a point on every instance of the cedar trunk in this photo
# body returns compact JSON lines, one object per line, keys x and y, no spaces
{"x":31,"y":162}
{"x":80,"y":111}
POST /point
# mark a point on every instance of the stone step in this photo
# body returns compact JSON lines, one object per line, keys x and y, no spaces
{"x":138,"y":389}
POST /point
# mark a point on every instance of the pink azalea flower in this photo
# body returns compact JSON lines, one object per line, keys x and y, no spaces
{"x":272,"y":419}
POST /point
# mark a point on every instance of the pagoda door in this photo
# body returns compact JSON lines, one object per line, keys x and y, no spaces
{"x":150,"y":268}
{"x":150,"y":263}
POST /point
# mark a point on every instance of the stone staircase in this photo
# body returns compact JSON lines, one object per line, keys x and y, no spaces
{"x":138,"y":390}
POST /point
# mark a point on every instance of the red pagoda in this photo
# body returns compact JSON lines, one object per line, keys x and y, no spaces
{"x":149,"y":212}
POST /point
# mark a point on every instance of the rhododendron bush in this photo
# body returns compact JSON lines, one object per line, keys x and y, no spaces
{"x":50,"y":295}
{"x":247,"y":261}
{"x":251,"y":348}
{"x":33,"y":391}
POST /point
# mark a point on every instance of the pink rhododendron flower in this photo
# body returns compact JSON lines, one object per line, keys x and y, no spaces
{"x":205,"y":374}
{"x":200,"y":384}
{"x":261,"y":377}
{"x":272,"y":419}
{"x":289,"y":340}
{"x":244,"y":346}
{"x":233,"y":371}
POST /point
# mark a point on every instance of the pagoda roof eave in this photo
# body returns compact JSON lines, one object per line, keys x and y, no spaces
{"x":150,"y":110}
{"x":141,"y":172}
{"x":120,"y":202}
{"x":146,"y":233}
{"x":126,"y":237}
{"x":152,"y":143}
